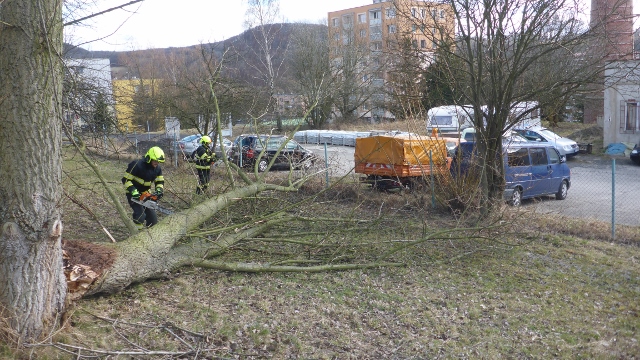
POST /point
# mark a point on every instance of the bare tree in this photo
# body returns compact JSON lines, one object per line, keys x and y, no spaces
{"x":502,"y":56}
{"x":263,"y":56}
{"x":186,"y":91}
{"x":310,"y":67}
{"x":354,"y":65}
{"x":32,"y":283}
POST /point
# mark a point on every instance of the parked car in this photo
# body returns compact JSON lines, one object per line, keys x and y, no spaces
{"x":564,"y":146}
{"x":247,"y":149}
{"x":469,"y":134}
{"x":189,"y":144}
{"x":227,"y":148}
{"x":532,"y":169}
{"x":635,"y":154}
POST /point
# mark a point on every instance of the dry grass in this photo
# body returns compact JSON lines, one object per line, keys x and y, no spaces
{"x":534,"y":287}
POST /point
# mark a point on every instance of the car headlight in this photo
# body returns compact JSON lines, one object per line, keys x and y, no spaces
{"x":567,"y":147}
{"x":634,"y":151}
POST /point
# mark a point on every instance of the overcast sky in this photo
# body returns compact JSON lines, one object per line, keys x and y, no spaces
{"x":167,"y":23}
{"x":171,"y":23}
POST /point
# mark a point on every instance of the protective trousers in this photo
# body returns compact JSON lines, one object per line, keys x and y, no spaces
{"x":203,"y":180}
{"x":142,"y":214}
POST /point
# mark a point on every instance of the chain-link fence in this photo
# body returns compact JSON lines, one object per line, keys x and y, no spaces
{"x":601,"y":189}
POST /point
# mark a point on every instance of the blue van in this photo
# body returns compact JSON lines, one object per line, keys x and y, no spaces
{"x":532,"y":169}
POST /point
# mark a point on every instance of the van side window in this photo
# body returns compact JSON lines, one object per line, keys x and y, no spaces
{"x":519,"y":157}
{"x":554,"y":157}
{"x":538,"y":156}
{"x":442,"y":120}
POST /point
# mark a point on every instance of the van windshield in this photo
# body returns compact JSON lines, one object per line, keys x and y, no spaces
{"x":442,"y":120}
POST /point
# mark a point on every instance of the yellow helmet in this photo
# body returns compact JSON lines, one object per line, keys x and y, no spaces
{"x":155,"y":153}
{"x":205,"y":140}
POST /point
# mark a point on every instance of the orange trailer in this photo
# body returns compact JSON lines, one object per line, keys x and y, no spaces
{"x":401,"y":160}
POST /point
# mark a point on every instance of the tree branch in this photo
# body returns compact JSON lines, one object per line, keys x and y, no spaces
{"x":101,"y":12}
{"x":257,"y":267}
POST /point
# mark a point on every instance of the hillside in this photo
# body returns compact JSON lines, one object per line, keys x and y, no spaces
{"x":240,"y":47}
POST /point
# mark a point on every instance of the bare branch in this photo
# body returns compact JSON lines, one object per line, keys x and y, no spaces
{"x":101,"y":12}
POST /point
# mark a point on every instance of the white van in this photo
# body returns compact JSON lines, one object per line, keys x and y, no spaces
{"x":449,"y":119}
{"x":454,"y":119}
{"x":532,"y":119}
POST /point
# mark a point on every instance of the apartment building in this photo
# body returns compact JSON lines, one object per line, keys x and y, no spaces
{"x":89,"y":83}
{"x":370,"y":38}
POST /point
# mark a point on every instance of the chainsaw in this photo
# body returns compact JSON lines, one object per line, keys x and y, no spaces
{"x":150,"y":201}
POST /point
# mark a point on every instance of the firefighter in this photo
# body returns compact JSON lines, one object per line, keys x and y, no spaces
{"x":204,"y":157}
{"x":138,"y":178}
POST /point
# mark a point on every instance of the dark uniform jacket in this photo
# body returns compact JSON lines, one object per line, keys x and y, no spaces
{"x":141,"y":175}
{"x":204,"y":157}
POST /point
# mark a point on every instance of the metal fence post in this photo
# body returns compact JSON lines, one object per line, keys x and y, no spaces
{"x":326,"y":164}
{"x":433,"y":190}
{"x":175,"y":148}
{"x":104,"y":131}
{"x":613,"y":199}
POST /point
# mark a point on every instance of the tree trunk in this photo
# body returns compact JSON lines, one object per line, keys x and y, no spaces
{"x":32,"y":283}
{"x":153,"y":252}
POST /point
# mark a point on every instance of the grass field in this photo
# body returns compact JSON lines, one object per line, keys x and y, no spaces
{"x":532,"y":286}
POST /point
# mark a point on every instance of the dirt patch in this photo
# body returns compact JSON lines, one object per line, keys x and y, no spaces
{"x":95,"y":256}
{"x":587,"y":135}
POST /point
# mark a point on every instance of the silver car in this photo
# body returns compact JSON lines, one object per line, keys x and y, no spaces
{"x":189,"y":144}
{"x":564,"y":146}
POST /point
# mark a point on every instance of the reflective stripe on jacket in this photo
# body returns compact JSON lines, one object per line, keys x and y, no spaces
{"x":204,"y":157}
{"x":141,"y":175}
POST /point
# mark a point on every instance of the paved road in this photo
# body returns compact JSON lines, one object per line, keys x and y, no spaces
{"x":590,"y":195}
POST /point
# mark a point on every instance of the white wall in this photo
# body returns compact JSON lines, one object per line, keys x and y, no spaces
{"x":622,"y":83}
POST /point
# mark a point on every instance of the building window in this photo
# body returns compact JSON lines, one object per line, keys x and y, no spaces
{"x":423,"y":43}
{"x":414,"y":28}
{"x":375,"y":32}
{"x":434,"y":44}
{"x":628,"y":116}
{"x":391,"y":29}
{"x":423,"y":13}
{"x":362,"y":18}
{"x":376,"y":15}
{"x":414,"y":12}
{"x":347,"y":37}
{"x":363,"y":33}
{"x":414,"y":43}
{"x":335,"y":21}
{"x":441,"y":14}
{"x":433,"y":14}
{"x":391,"y":12}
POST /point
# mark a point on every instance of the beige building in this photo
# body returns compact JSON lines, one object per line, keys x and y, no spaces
{"x":372,"y":37}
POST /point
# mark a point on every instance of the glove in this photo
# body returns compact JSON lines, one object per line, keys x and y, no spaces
{"x":159,"y":193}
{"x":135,"y":194}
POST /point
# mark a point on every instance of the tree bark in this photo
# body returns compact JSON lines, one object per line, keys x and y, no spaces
{"x":153,"y":252}
{"x":32,"y":283}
